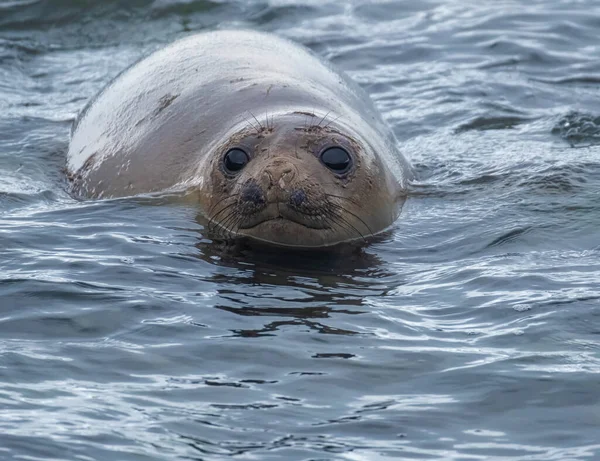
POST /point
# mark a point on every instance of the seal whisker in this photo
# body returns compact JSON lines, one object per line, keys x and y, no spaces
{"x":352,"y":226}
{"x":310,"y":121}
{"x":223,"y":228}
{"x":229,"y":219}
{"x":250,"y":123}
{"x":340,"y":223}
{"x":339,"y":207}
{"x":337,"y":224}
{"x":354,"y":202}
{"x":323,"y":119}
{"x":341,"y":219}
{"x":332,"y":121}
{"x":269,"y":127}
{"x":213,"y":220}
{"x":217,"y":227}
{"x":237,"y":225}
{"x":209,"y":211}
{"x":259,"y":124}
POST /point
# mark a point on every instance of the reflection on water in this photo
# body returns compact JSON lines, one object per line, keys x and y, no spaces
{"x":305,"y":288}
{"x":469,"y":331}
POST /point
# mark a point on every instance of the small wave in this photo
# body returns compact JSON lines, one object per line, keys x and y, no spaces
{"x":509,"y":236}
{"x":578,"y":128}
{"x":583,"y":79}
{"x":181,"y":7}
{"x":560,"y":178}
{"x":492,"y":123}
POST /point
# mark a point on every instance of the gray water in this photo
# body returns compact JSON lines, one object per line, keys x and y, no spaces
{"x":469,"y":332}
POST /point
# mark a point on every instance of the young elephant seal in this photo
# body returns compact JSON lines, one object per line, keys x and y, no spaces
{"x":280,"y":146}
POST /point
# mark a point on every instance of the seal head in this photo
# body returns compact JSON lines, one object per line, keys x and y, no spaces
{"x":299,"y":180}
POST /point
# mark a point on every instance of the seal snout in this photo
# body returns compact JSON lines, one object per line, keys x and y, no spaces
{"x":279,"y":172}
{"x":279,"y":191}
{"x":253,"y":197}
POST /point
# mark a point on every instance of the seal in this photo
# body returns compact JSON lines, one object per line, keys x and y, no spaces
{"x":278,"y":145}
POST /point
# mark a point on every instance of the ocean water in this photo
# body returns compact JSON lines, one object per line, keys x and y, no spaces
{"x":471,"y":331}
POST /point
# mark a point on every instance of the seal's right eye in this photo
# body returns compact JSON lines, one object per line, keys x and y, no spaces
{"x":235,"y":160}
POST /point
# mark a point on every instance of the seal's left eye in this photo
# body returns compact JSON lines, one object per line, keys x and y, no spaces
{"x":337,"y":159}
{"x":235,"y":160}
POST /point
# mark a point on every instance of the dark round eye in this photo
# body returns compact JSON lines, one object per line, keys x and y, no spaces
{"x":336,"y":159}
{"x":235,"y":160}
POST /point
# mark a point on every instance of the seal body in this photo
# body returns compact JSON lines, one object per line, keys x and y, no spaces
{"x":279,"y":145}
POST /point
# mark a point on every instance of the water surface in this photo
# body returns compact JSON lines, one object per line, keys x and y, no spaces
{"x":469,"y":332}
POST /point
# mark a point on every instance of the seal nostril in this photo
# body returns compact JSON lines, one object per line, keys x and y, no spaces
{"x":297,"y":198}
{"x":253,"y":193}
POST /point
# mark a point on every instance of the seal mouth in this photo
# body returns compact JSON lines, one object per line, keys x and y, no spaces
{"x":280,"y":214}
{"x":284,"y":232}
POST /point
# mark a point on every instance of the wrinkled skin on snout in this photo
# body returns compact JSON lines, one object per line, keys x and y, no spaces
{"x":286,"y":195}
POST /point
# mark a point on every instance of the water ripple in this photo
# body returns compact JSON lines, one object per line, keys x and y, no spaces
{"x":468,"y":331}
